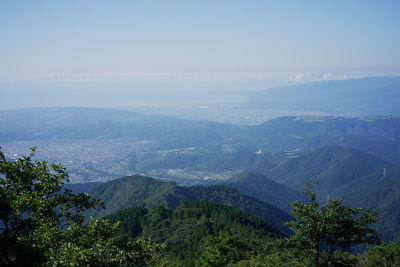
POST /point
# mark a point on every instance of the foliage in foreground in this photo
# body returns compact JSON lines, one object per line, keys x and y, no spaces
{"x":223,"y":249}
{"x":382,"y":255}
{"x":321,"y":233}
{"x":41,"y":224}
{"x":97,"y":245}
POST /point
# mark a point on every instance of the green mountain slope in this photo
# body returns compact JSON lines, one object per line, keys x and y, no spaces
{"x":265,"y":189}
{"x":380,"y":192}
{"x":332,"y":167}
{"x":184,"y":228}
{"x":144,"y":191}
{"x":361,"y":180}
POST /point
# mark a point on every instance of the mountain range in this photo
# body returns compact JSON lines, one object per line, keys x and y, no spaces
{"x":363,"y":96}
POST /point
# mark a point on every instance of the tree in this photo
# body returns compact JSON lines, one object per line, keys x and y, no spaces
{"x":40,"y":222}
{"x":385,"y":254}
{"x":322,"y":232}
{"x":97,"y":245}
{"x":223,"y":248}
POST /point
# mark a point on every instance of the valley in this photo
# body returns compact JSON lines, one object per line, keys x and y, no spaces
{"x":100,"y":144}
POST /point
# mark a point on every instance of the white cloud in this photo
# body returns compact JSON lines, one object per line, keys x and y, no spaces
{"x":312,"y":77}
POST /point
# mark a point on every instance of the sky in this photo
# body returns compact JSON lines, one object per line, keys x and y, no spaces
{"x":147,"y":47}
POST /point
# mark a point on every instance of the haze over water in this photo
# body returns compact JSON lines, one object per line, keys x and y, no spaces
{"x":130,"y":53}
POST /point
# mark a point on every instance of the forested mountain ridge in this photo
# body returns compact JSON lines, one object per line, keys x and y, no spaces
{"x":144,"y":191}
{"x":361,"y":180}
{"x":379,"y":191}
{"x":331,"y":167}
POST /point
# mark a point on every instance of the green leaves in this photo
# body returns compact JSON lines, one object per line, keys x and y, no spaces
{"x":320,"y":231}
{"x":382,"y":255}
{"x":223,"y":248}
{"x":96,"y":245}
{"x":34,"y":210}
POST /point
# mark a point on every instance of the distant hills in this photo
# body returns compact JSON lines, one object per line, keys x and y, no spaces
{"x":379,"y":136}
{"x":361,"y":180}
{"x":264,"y":188}
{"x":96,"y":123}
{"x":364,"y":96}
{"x":331,"y":167}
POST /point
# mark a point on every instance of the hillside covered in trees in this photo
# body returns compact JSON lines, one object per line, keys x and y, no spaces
{"x":144,"y":191}
{"x":186,"y":229}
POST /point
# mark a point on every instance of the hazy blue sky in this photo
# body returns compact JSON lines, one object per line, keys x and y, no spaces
{"x":194,"y":44}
